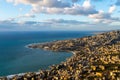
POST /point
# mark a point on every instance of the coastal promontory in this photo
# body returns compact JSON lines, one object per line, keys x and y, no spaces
{"x":95,"y":57}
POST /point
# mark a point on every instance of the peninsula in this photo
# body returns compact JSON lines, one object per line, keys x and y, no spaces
{"x":95,"y":58}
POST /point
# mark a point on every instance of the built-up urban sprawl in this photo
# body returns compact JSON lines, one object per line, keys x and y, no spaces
{"x":94,"y":58}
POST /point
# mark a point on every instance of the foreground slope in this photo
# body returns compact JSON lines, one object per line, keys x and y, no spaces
{"x":95,"y":57}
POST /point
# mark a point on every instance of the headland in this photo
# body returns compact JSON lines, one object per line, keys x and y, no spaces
{"x":95,"y":58}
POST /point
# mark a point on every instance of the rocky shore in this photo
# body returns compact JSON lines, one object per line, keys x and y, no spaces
{"x":95,"y":58}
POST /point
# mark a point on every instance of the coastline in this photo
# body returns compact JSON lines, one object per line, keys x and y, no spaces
{"x":30,"y":46}
{"x":22,"y":74}
{"x":83,"y":53}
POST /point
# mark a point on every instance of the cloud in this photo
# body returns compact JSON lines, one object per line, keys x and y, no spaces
{"x":58,"y":6}
{"x":50,"y":24}
{"x":105,"y":17}
{"x":8,"y":25}
{"x":28,"y":15}
{"x":75,"y":0}
{"x":112,"y":9}
{"x":75,"y":9}
{"x":29,"y":22}
{"x":30,"y":2}
{"x":66,"y":7}
{"x":118,"y":3}
{"x":53,"y":24}
{"x":87,"y":4}
{"x":54,"y":21}
{"x":62,"y":21}
{"x":43,"y":3}
{"x":55,"y":3}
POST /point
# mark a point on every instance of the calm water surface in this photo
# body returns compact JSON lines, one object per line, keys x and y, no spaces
{"x":16,"y":58}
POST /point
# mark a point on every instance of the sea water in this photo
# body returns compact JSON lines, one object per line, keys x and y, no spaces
{"x":16,"y":58}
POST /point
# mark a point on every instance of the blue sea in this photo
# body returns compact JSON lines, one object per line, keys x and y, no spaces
{"x":16,"y":58}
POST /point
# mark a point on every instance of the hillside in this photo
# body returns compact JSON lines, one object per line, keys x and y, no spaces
{"x":95,"y":58}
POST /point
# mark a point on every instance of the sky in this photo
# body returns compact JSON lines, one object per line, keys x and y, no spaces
{"x":59,"y":15}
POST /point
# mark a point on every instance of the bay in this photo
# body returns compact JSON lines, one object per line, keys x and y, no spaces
{"x":16,"y":58}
